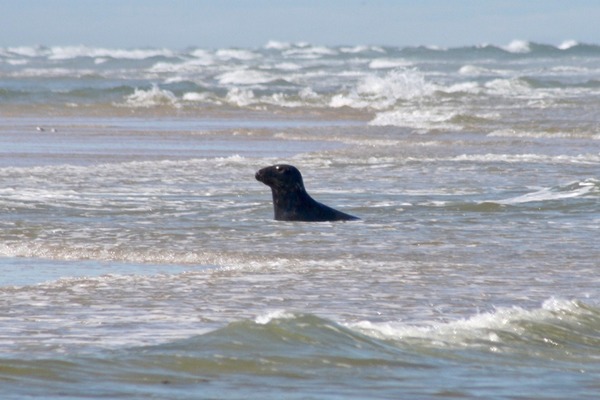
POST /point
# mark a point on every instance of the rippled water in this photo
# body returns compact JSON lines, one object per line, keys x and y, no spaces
{"x":139,"y":256}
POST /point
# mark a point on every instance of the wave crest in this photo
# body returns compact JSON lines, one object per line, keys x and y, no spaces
{"x":511,"y":330}
{"x":378,"y":92}
{"x":151,"y":98}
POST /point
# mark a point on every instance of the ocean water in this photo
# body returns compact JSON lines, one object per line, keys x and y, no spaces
{"x":139,"y":257}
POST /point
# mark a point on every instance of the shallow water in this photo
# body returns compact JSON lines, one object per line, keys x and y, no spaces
{"x":139,"y":257}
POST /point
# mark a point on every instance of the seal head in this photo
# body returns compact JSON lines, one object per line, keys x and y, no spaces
{"x":290,"y":199}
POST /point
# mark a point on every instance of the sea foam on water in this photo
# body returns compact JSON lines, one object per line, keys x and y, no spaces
{"x":378,"y":92}
{"x":134,"y":237}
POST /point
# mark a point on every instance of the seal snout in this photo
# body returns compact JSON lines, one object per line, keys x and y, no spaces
{"x":281,"y":177}
{"x":262,"y":175}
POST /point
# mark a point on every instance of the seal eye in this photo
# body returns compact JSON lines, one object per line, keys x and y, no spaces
{"x":279,"y":169}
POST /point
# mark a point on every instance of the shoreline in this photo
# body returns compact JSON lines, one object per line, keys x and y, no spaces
{"x":85,"y":140}
{"x":218,"y":112}
{"x":176,"y":123}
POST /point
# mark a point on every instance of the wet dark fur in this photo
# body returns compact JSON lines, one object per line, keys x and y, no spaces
{"x":290,"y":199}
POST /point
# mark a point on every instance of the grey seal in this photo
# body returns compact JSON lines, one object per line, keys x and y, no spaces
{"x":290,"y":199}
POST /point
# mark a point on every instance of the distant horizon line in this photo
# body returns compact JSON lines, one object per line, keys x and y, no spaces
{"x":281,"y":44}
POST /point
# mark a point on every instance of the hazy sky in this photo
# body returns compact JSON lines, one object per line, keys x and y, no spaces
{"x":252,"y":23}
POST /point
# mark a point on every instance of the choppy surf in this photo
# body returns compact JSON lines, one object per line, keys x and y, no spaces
{"x":294,"y":348}
{"x":140,"y":259}
{"x":418,"y":87}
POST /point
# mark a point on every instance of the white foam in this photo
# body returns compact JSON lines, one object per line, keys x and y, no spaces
{"x":308,"y":94}
{"x":573,"y":190}
{"x":507,"y":87}
{"x":416,"y":118}
{"x":463,"y":87}
{"x":237,"y":54}
{"x":518,"y":47}
{"x":288,"y":66}
{"x":16,"y":62}
{"x":567,"y":44}
{"x":151,"y":98}
{"x":110,"y":253}
{"x":309,"y":52}
{"x":479,"y":327}
{"x":73,"y":327}
{"x":541,"y":134}
{"x":435,"y":47}
{"x":52,"y":73}
{"x":240,"y":97}
{"x":378,"y":92}
{"x":200,"y":53}
{"x":69,"y":52}
{"x":399,"y":84}
{"x":361,"y":49}
{"x":387,"y":63}
{"x":273,"y":315}
{"x":195,"y":96}
{"x":275,"y":45}
{"x":245,"y":77}
{"x":560,"y":70}
{"x":191,"y":66}
{"x":474,"y":70}
{"x":27,"y":51}
{"x":471,"y":70}
{"x":529,"y":158}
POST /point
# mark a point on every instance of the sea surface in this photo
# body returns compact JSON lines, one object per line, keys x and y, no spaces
{"x":139,"y":258}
